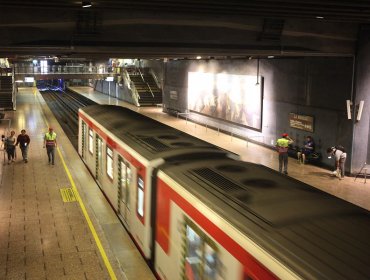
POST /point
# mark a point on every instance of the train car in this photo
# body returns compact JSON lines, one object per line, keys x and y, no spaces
{"x":121,"y":148}
{"x":228,"y":219}
{"x":196,"y":212}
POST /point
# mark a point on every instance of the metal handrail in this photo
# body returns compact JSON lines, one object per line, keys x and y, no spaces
{"x":151,"y":72}
{"x":131,"y":86}
{"x":59,"y":69}
{"x":150,"y":89}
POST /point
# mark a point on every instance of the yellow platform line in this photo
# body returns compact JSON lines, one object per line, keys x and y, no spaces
{"x":91,"y":226}
{"x":84,"y":211}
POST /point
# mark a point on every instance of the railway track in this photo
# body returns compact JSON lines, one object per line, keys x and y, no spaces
{"x":65,"y":105}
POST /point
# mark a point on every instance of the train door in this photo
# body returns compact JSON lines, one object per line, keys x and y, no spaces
{"x":83,"y":140}
{"x":124,"y":184}
{"x":99,"y":157}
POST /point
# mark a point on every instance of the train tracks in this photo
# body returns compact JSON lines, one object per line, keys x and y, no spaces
{"x":65,"y":105}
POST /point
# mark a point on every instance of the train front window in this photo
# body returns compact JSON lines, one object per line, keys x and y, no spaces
{"x":201,"y":254}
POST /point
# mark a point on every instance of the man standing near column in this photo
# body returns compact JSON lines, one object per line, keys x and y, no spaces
{"x":50,"y":142}
{"x":282,"y":148}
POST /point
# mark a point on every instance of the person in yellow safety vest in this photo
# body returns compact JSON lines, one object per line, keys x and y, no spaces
{"x":50,"y":142}
{"x":282,"y":148}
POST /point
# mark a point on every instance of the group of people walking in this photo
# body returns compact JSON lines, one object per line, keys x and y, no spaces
{"x":23,"y":140}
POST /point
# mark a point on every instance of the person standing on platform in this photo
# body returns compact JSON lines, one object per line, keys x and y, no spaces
{"x":24,"y":141}
{"x":282,"y":145}
{"x":10,"y":146}
{"x":50,"y":142}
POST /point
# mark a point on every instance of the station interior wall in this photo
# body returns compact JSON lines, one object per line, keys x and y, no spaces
{"x":312,"y":86}
{"x":317,"y":87}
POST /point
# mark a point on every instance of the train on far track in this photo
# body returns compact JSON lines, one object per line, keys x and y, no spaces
{"x":195,"y":211}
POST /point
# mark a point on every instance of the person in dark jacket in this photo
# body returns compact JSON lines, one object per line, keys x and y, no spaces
{"x":24,"y":141}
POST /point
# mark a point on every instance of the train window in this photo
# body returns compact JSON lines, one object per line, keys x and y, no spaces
{"x":83,"y":139}
{"x":91,"y":141}
{"x":128,"y":183}
{"x":140,"y":197}
{"x":201,"y":254}
{"x":210,"y":261}
{"x":99,"y":154}
{"x":110,"y":162}
{"x":125,"y":182}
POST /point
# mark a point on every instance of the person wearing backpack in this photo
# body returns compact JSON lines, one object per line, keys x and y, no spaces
{"x":340,"y":156}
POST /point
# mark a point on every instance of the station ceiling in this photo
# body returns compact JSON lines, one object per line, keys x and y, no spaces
{"x":180,"y":29}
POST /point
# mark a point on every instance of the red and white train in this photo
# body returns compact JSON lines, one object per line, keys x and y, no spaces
{"x":196,"y":212}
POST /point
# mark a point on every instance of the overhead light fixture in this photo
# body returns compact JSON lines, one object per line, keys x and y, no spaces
{"x":86,"y":4}
{"x":199,"y":57}
{"x":319,"y":17}
{"x":270,"y":56}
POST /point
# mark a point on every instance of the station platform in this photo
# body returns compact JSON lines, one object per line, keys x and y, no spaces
{"x":47,"y":235}
{"x":356,"y":192}
{"x":54,"y":221}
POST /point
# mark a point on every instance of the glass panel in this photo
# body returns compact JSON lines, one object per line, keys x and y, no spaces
{"x":210,"y":263}
{"x":123,"y":181}
{"x":109,"y":163}
{"x":91,"y":141}
{"x":140,"y":197}
{"x":128,"y":183}
{"x":100,"y":152}
{"x":194,"y":254}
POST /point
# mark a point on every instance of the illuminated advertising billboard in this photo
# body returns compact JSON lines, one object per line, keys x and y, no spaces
{"x":234,"y":98}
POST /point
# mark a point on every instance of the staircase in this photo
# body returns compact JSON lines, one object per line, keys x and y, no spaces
{"x":147,"y":89}
{"x":6,"y":92}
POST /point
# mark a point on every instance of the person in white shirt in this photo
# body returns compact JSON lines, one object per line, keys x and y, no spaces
{"x":340,"y":157}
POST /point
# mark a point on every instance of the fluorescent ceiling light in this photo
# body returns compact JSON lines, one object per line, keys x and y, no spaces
{"x":199,"y":57}
{"x":86,"y":4}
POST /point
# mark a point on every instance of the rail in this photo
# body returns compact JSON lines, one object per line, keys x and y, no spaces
{"x":151,"y":72}
{"x":255,"y":137}
{"x":59,"y":69}
{"x":131,"y":86}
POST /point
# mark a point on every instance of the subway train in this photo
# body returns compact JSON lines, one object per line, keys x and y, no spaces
{"x":195,"y":211}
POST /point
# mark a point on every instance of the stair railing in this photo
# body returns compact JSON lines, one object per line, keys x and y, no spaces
{"x":150,"y":89}
{"x":151,"y":72}
{"x":131,"y":86}
{"x":142,"y":77}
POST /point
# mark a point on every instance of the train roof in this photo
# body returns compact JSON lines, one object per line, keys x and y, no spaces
{"x":316,"y":234}
{"x":150,"y":138}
